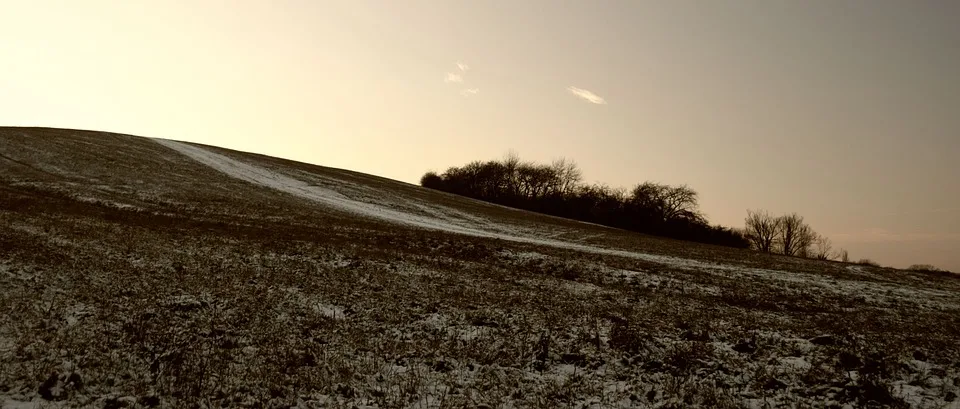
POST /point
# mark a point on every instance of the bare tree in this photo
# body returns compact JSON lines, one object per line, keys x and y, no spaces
{"x":795,"y":236}
{"x":844,"y":256}
{"x":804,"y":241}
{"x":568,"y":174}
{"x":511,"y":163}
{"x":762,"y":230}
{"x":823,"y":248}
{"x":682,"y":202}
{"x":667,"y":202}
{"x":511,"y":159}
{"x":537,"y":180}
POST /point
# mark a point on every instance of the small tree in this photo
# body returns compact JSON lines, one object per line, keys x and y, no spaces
{"x":431,"y":180}
{"x":568,"y":175}
{"x":795,"y":236}
{"x":823,"y":248}
{"x":844,"y":256}
{"x":761,"y":230}
{"x":667,"y":202}
{"x":511,"y":164}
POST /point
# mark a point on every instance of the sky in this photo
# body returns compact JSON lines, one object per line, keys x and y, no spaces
{"x":845,"y":112}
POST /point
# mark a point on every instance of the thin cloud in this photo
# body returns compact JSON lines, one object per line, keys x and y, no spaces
{"x":470,"y":91}
{"x":451,"y":77}
{"x":586,"y":95}
{"x":462,"y":66}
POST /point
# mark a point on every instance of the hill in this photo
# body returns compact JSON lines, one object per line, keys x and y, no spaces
{"x":151,"y":272}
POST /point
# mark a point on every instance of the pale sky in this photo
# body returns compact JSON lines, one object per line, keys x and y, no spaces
{"x":846,"y":112}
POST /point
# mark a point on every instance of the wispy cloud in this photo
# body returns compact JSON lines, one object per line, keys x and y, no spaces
{"x":457,"y":78}
{"x":586,"y":95}
{"x":451,"y":77}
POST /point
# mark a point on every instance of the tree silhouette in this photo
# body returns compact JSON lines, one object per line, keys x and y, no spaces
{"x":823,"y":248}
{"x":795,"y":237}
{"x":762,"y":230}
{"x":557,"y":189}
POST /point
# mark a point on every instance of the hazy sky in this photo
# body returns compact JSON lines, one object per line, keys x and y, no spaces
{"x":847,"y":112}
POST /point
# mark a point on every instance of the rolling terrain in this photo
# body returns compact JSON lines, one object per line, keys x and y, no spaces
{"x":138,"y":272}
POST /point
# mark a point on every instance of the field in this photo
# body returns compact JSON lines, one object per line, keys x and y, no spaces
{"x":150,"y":273}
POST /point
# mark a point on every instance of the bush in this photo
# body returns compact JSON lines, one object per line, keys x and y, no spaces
{"x":929,"y":269}
{"x":431,"y":180}
{"x":868,"y":262}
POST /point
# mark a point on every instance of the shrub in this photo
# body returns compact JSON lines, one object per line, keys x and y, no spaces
{"x":868,"y":262}
{"x":431,"y":180}
{"x":929,"y":269}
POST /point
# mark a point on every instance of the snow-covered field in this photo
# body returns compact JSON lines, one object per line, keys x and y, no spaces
{"x":142,"y":272}
{"x":440,"y":218}
{"x":437,"y":217}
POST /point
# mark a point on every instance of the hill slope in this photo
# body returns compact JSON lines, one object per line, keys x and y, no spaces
{"x":173,"y":273}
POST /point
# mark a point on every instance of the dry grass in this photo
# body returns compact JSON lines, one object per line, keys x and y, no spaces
{"x":133,"y":277}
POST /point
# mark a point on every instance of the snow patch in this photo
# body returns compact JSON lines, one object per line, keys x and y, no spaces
{"x":338,"y":261}
{"x":35,"y":231}
{"x":108,"y":203}
{"x":330,"y":310}
{"x":184,"y":302}
{"x":580,"y":288}
{"x":414,"y":270}
{"x":317,"y":305}
{"x":522,"y":256}
{"x":796,"y":363}
{"x":7,"y":402}
{"x":463,"y":332}
{"x":436,"y":320}
{"x":7,"y":346}
{"x":390,"y":208}
{"x":328,"y":197}
{"x":76,"y":313}
{"x":15,"y":404}
{"x":912,"y":394}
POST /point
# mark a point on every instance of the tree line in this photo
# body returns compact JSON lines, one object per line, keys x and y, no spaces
{"x":557,"y":189}
{"x":789,"y":235}
{"x":654,"y":208}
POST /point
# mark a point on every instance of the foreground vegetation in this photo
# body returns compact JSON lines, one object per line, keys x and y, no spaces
{"x":137,"y":278}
